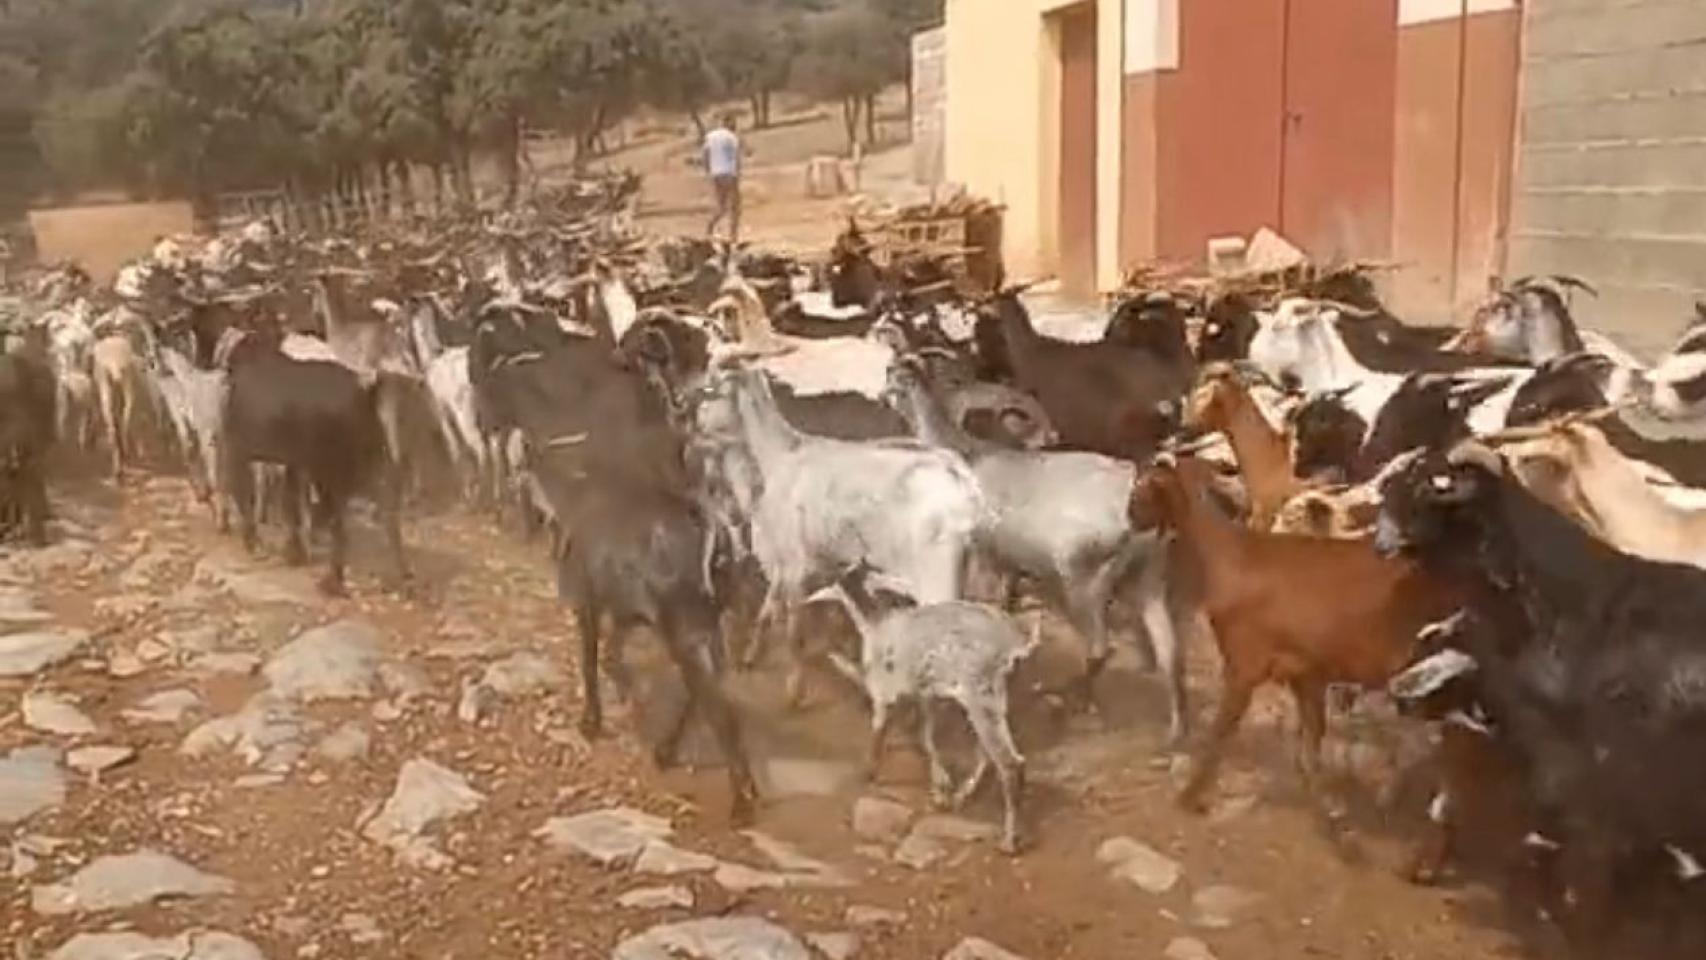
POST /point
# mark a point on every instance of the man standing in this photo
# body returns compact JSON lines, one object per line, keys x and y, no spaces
{"x":722,"y":162}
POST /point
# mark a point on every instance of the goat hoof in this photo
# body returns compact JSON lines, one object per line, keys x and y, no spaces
{"x":295,"y":555}
{"x":1421,"y":874}
{"x":742,"y":811}
{"x":1011,"y":845}
{"x":333,"y":586}
{"x":663,"y":758}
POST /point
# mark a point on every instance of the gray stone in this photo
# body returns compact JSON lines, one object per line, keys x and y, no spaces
{"x":476,"y":701}
{"x":740,"y":878}
{"x":920,"y":852}
{"x":361,"y":928}
{"x":835,"y":945}
{"x":403,"y":681}
{"x":1221,"y":906}
{"x":30,"y":782}
{"x":1139,"y":863}
{"x":125,"y":665}
{"x":945,"y":827}
{"x":665,"y":859}
{"x":144,"y":570}
{"x":977,"y":948}
{"x":657,"y":898}
{"x":18,"y":609}
{"x":197,"y":945}
{"x":338,"y":661}
{"x":348,"y":742}
{"x":97,"y":760}
{"x":612,"y":837}
{"x":241,"y":664}
{"x":51,"y":713}
{"x":128,"y":880}
{"x":167,"y":706}
{"x":266,"y":733}
{"x":713,"y":938}
{"x":26,"y":654}
{"x":877,"y":819}
{"x":426,"y":793}
{"x":791,"y":859}
{"x":860,"y":915}
{"x":523,"y":674}
{"x":1187,"y":948}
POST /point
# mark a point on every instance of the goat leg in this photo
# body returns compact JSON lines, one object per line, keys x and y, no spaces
{"x":1234,"y":702}
{"x":703,"y":691}
{"x":1310,"y":694}
{"x":879,"y":736}
{"x":1086,"y":608}
{"x":240,"y":483}
{"x":942,"y":794}
{"x":392,"y":508}
{"x":1157,"y":618}
{"x":32,"y":494}
{"x":332,"y":507}
{"x":295,"y":550}
{"x":588,"y":617}
{"x":995,"y":737}
{"x":1428,"y":860}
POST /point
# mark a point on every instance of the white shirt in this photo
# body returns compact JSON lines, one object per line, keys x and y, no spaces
{"x":722,"y":153}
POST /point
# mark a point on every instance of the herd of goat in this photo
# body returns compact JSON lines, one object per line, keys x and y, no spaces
{"x":1499,"y":531}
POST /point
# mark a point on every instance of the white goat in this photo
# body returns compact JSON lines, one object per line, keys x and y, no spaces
{"x":120,"y":389}
{"x":194,"y":401}
{"x":908,"y":511}
{"x":956,"y":651}
{"x":1301,"y":339}
{"x":1061,"y":518}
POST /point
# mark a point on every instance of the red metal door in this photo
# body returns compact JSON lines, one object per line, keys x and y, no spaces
{"x":1337,"y":127}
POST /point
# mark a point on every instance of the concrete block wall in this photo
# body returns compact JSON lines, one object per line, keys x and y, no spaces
{"x":1611,"y":168}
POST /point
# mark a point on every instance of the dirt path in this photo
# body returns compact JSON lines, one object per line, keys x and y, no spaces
{"x":176,"y":608}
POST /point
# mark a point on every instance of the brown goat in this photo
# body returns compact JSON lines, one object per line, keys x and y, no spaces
{"x":1221,"y":403}
{"x":1300,"y":611}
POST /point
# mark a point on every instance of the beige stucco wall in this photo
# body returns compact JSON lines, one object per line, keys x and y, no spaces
{"x":1002,"y":122}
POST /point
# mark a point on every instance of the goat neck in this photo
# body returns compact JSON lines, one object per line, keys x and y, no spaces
{"x":1209,"y":542}
{"x":1263,"y":454}
{"x":931,"y":424}
{"x":767,"y":433}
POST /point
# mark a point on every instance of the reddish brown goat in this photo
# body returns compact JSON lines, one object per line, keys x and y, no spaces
{"x":1300,"y":611}
{"x":1222,"y":403}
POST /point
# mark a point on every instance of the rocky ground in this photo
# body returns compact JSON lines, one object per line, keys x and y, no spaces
{"x":202,"y":758}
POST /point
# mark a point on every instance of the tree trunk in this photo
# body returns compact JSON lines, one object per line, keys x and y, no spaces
{"x":756,"y":103}
{"x":698,"y":117}
{"x":462,"y":173}
{"x":437,"y":168}
{"x":871,"y":120}
{"x":850,"y":121}
{"x":764,"y":107}
{"x":405,"y":188}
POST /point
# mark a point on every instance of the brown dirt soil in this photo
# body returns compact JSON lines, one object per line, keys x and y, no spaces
{"x":301,"y":865}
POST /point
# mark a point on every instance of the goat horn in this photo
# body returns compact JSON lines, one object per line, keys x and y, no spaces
{"x":1361,"y":313}
{"x":1475,"y":453}
{"x":567,"y":440}
{"x":1582,"y":418}
{"x":942,"y":352}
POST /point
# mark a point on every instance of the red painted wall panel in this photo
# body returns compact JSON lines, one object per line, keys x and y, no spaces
{"x":1341,"y":66}
{"x":1218,"y":117}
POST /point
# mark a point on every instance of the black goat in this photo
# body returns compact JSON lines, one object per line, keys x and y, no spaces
{"x":27,"y":418}
{"x":318,"y":421}
{"x":1579,"y":382}
{"x":1102,"y":397}
{"x":1427,"y":411}
{"x":636,"y":553}
{"x":1602,"y":694}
